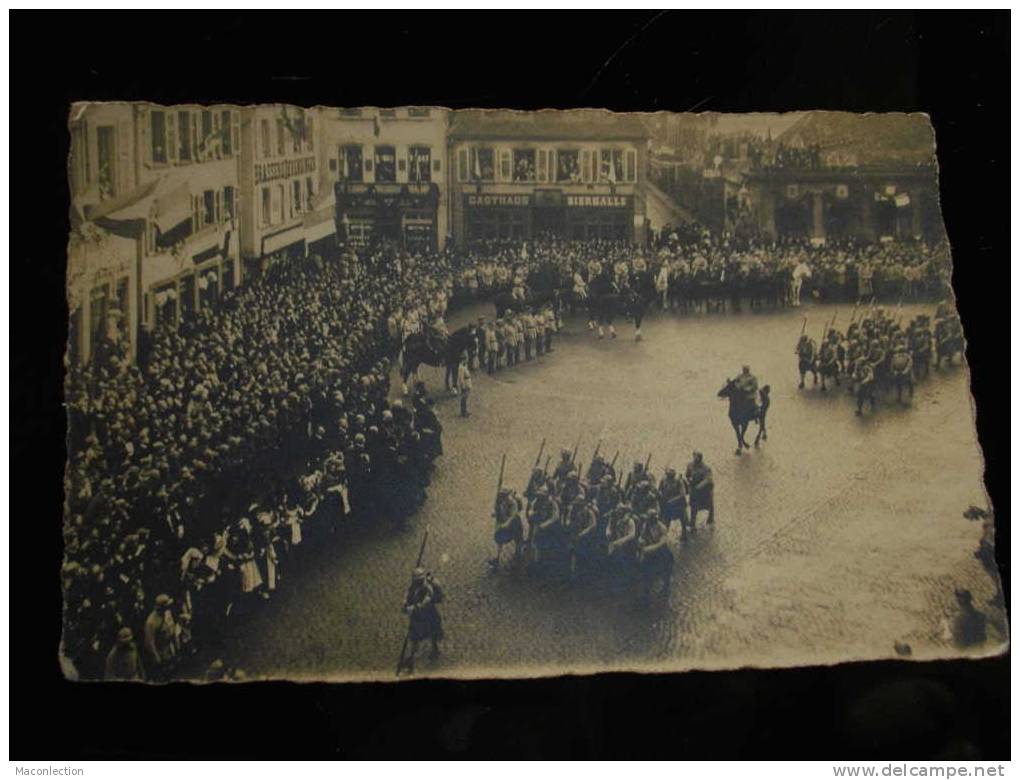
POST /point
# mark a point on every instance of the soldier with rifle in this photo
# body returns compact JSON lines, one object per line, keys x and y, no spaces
{"x":421,"y":605}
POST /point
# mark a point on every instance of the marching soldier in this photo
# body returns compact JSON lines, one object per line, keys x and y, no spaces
{"x":583,"y":529}
{"x":564,"y":467}
{"x":598,"y":469}
{"x":538,"y":480}
{"x":673,"y":501}
{"x":621,"y":539}
{"x":653,"y":555}
{"x":607,"y":499}
{"x":543,"y":520}
{"x":509,"y":525}
{"x":571,"y":491}
{"x":864,"y":380}
{"x":806,"y":355}
{"x":828,"y":366}
{"x":702,"y":488}
{"x":901,"y":368}
{"x":421,"y":607}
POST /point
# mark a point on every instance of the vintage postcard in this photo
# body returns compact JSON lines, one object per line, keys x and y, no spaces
{"x":385,"y":393}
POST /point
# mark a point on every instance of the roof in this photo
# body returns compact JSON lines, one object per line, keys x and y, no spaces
{"x":547,"y":125}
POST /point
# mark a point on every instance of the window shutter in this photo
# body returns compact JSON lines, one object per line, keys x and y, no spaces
{"x":586,"y":165}
{"x":631,"y":172}
{"x":218,"y":207}
{"x":235,"y":122}
{"x":462,"y":165}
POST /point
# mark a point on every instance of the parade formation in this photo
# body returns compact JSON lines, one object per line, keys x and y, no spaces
{"x":580,"y":521}
{"x":878,"y":354}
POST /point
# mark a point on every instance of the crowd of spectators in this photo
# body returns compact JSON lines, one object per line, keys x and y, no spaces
{"x":192,"y":470}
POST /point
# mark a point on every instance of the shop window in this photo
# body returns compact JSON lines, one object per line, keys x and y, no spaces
{"x":568,"y":165}
{"x":504,"y":165}
{"x":350,"y":112}
{"x":106,"y":158}
{"x":157,"y":120}
{"x":524,"y":165}
{"x":267,"y":142}
{"x":385,"y":164}
{"x":387,"y":113}
{"x":462,"y":165}
{"x":351,"y":163}
{"x":184,"y":136}
{"x":419,"y":160}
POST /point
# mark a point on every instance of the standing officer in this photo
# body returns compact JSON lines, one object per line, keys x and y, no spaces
{"x":464,"y":383}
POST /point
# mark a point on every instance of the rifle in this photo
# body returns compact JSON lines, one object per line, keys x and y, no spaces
{"x":545,"y":468}
{"x":612,"y":463}
{"x":421,"y":553}
{"x":647,"y":461}
{"x":538,"y":458}
{"x":803,"y":325}
{"x":499,"y":486}
{"x":573,"y":456}
{"x":596,"y":453}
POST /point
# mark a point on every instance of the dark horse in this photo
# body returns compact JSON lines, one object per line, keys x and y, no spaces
{"x":743,"y":411}
{"x":536,"y":299}
{"x":605,"y":304}
{"x":418,"y":349}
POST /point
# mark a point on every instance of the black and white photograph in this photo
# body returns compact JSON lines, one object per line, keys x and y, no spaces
{"x":362,"y":393}
{"x":509,"y":385}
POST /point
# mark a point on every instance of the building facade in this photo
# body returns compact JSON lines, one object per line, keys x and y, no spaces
{"x":387,"y":169}
{"x":160,"y":185}
{"x":865,"y":203}
{"x":521,"y":176}
{"x":280,"y":176}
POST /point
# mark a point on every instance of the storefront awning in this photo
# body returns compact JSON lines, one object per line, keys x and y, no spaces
{"x":165,"y":201}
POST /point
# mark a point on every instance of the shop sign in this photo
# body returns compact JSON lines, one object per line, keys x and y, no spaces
{"x":489,"y":200}
{"x":598,"y":201}
{"x":283,"y":169}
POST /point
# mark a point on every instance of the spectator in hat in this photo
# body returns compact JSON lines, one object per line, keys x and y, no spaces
{"x":124,"y":662}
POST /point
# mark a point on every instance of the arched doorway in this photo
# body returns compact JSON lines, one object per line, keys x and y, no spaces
{"x":838,"y":218}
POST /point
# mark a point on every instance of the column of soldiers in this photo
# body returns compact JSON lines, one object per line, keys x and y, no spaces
{"x":878,"y":352}
{"x":505,"y":341}
{"x":582,"y":521}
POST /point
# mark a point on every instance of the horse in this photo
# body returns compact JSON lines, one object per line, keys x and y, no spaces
{"x":607,"y":307}
{"x":742,"y":412}
{"x":417,"y":350}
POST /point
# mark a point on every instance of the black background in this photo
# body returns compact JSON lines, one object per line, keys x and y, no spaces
{"x":953,"y":66}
